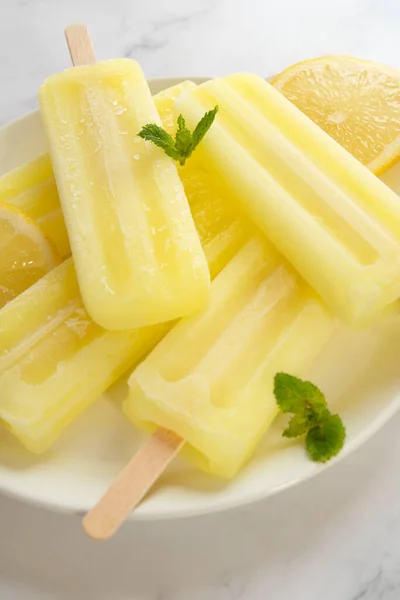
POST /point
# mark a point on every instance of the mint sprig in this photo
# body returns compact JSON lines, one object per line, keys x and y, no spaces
{"x":324,"y":432}
{"x":185,"y":142}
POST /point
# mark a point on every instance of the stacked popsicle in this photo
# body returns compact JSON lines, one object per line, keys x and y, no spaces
{"x":137,"y":255}
{"x":294,"y":231}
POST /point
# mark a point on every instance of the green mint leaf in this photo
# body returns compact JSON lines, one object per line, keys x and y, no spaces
{"x":203,"y":126}
{"x":156,"y":134}
{"x":325,"y":441}
{"x":296,"y":396}
{"x":325,"y":433}
{"x":183,"y":141}
{"x":181,"y":124}
{"x":297,"y":426}
{"x":180,"y":148}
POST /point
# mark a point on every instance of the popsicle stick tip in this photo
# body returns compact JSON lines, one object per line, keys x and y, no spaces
{"x":80,"y":45}
{"x":96,"y":533}
{"x":76,"y":27}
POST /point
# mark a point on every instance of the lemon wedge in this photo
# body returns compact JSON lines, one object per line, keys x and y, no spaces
{"x":356,"y":101}
{"x":25,"y":253}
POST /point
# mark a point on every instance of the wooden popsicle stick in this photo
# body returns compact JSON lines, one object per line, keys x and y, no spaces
{"x":80,"y":45}
{"x":132,"y":484}
{"x":146,"y":466}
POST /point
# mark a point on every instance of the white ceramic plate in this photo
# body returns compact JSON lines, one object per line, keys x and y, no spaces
{"x":358,"y":371}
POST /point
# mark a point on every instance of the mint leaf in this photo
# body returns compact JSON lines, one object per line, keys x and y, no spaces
{"x":183,"y":140}
{"x":325,"y":433}
{"x":181,"y":124}
{"x":156,"y":134}
{"x":297,"y":426}
{"x":184,"y":144}
{"x":296,"y":396}
{"x":203,"y":126}
{"x":326,"y":439}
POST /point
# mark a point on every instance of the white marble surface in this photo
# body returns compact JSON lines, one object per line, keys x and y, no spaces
{"x":336,"y":537}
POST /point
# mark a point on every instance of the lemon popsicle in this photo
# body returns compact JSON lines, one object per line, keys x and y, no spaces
{"x":136,"y":250}
{"x":55,"y":361}
{"x":210,"y":380}
{"x":328,"y":215}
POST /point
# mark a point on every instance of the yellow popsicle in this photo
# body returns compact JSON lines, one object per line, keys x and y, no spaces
{"x":54,"y":360}
{"x":328,"y":215}
{"x":135,"y":247}
{"x":210,"y":380}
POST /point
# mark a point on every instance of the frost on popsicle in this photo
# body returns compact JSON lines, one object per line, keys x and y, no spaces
{"x":185,"y":142}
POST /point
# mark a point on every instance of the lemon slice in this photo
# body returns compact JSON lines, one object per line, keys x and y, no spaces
{"x":356,"y":101}
{"x":25,"y":253}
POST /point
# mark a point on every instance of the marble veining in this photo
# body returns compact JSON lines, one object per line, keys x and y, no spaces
{"x":161,"y":31}
{"x":336,"y":537}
